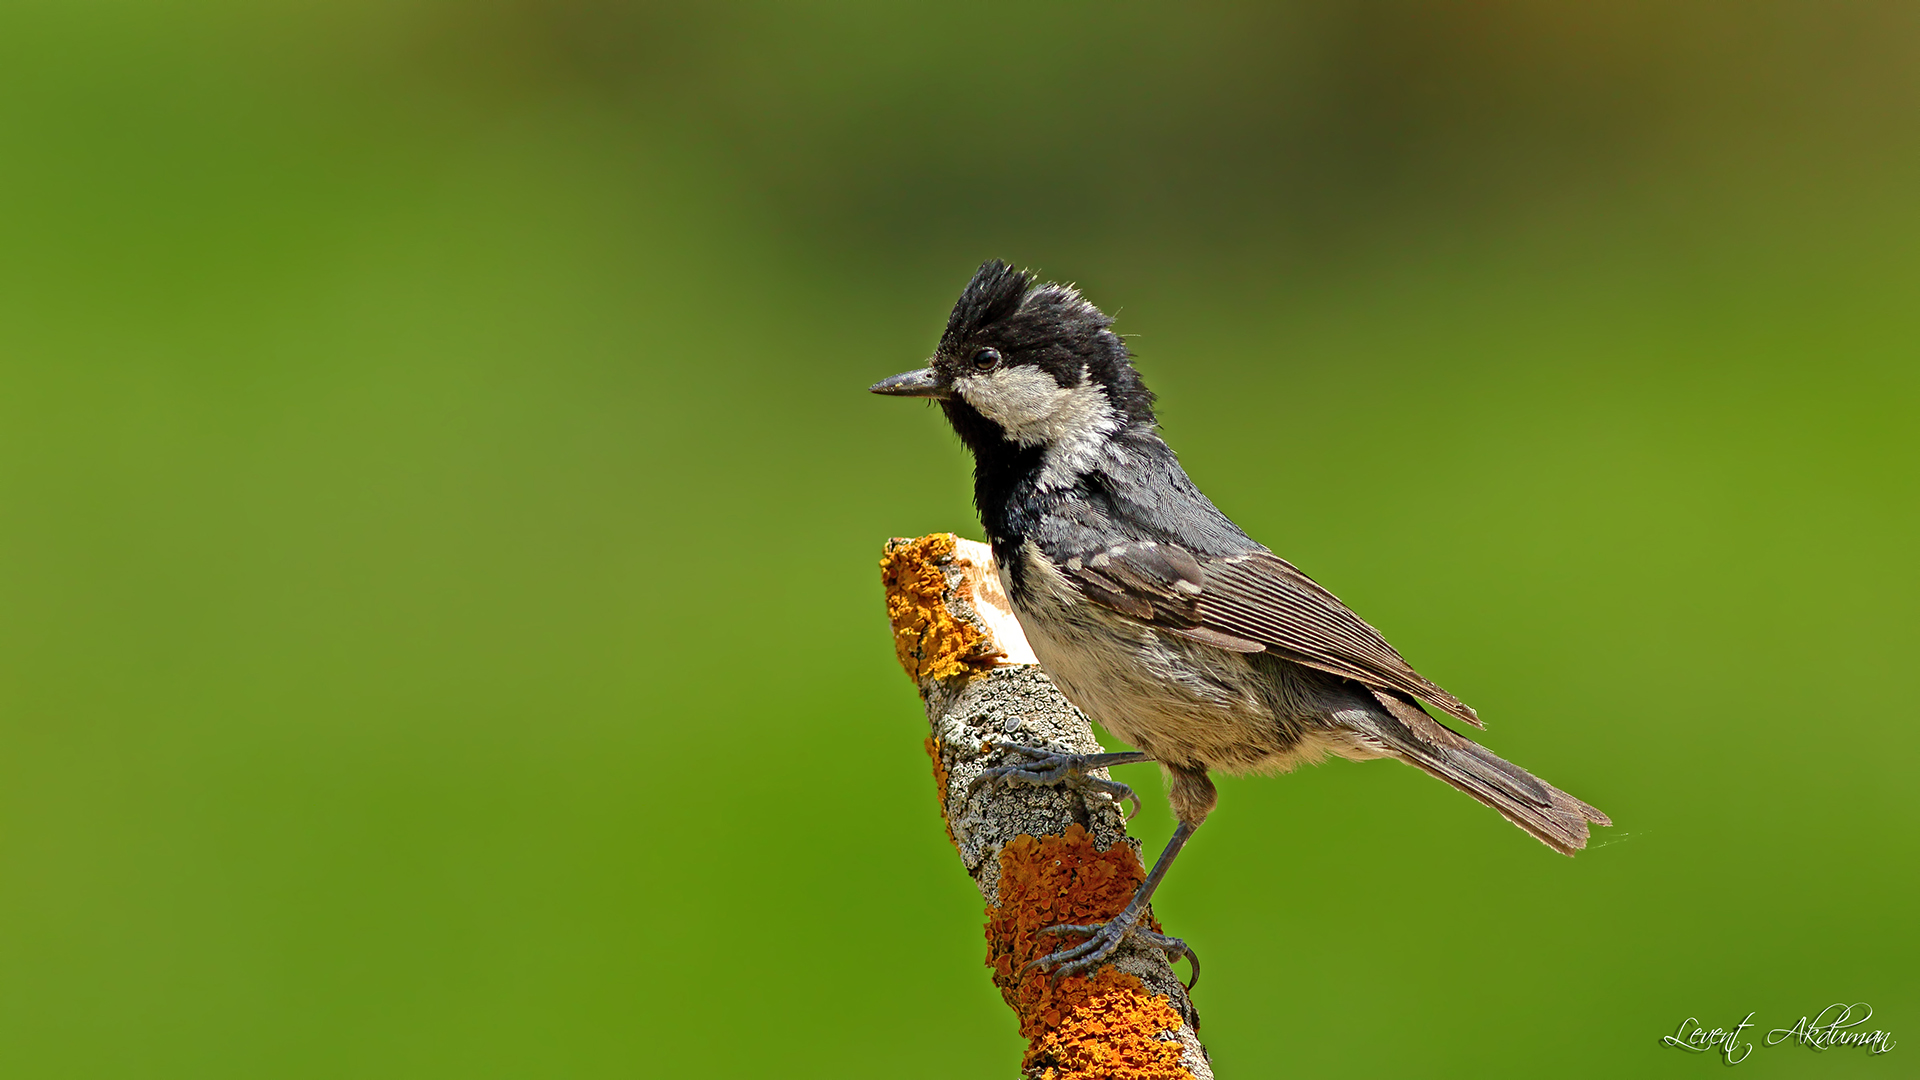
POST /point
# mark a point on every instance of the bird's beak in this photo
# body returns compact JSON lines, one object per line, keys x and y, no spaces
{"x":922,"y":383}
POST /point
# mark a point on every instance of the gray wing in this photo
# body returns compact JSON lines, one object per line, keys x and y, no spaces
{"x":1252,"y":602}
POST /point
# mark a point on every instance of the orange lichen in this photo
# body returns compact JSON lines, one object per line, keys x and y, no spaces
{"x":929,"y":640}
{"x":1112,"y":1036}
{"x":1107,"y":1025}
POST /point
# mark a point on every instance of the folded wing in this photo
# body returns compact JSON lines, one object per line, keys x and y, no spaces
{"x":1253,"y":602}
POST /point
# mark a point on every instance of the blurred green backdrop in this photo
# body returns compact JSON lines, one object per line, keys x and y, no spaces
{"x":439,"y":627}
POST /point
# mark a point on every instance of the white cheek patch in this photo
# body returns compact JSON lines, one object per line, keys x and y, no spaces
{"x":1072,"y":422}
{"x":1016,"y":398}
{"x":1036,"y":411}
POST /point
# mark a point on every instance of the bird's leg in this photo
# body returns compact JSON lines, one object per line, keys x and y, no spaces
{"x":1105,"y":938}
{"x":1193,"y":798}
{"x":1049,"y":768}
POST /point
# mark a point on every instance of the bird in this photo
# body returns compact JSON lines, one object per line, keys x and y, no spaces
{"x":1155,"y":614}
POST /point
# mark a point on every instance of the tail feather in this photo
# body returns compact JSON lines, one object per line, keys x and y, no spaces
{"x":1554,"y":817}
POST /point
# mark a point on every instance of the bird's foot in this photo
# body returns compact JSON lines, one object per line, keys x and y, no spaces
{"x":1047,"y":768}
{"x":1104,"y":939}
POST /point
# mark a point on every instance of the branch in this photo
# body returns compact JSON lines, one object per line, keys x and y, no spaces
{"x":1041,"y":856}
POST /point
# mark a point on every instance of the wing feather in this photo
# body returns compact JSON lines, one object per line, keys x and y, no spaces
{"x":1249,"y":603}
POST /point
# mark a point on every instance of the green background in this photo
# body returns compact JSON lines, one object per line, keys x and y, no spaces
{"x":439,"y":625}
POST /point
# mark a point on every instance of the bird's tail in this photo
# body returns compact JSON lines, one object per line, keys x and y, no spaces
{"x":1554,"y":817}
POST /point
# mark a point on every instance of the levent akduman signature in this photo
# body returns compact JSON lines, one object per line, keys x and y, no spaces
{"x":1833,"y":1027}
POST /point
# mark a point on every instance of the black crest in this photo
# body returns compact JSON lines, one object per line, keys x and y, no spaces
{"x":994,"y":293}
{"x":1047,"y":325}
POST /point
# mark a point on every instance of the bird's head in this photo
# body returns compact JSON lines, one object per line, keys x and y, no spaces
{"x":1029,"y":364}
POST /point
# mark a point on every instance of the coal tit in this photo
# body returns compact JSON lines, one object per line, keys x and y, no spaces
{"x":1154,"y":613}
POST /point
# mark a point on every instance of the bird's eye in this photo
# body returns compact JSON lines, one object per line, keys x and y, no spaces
{"x":985,"y":359}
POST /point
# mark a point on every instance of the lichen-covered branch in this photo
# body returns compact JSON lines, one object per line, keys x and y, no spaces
{"x":1041,"y":856}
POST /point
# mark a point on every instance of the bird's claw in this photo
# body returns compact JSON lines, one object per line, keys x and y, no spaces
{"x":1103,"y":940}
{"x":1050,"y":768}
